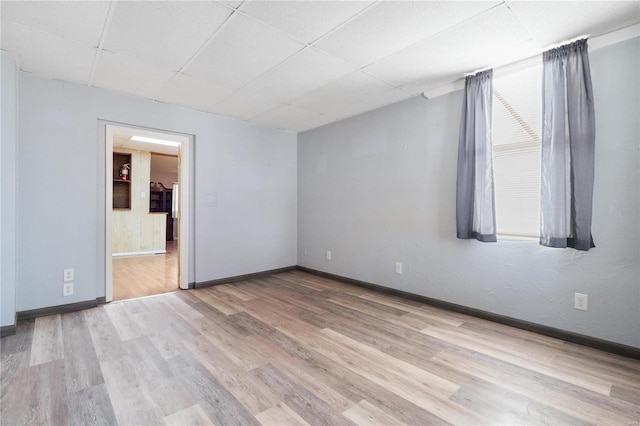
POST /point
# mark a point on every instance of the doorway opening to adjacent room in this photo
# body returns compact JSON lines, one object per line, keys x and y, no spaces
{"x":146,"y":212}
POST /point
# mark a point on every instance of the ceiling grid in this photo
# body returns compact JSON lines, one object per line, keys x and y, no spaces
{"x":292,"y":65}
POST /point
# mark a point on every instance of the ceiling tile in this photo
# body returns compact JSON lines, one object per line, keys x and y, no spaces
{"x":80,"y":21}
{"x":555,"y":22}
{"x":390,"y":26}
{"x":123,"y":74}
{"x":353,"y":88}
{"x":163,"y":33}
{"x":255,"y":63}
{"x":290,"y":118}
{"x":300,"y":74}
{"x":231,"y":4}
{"x":243,"y":105}
{"x":304,"y":20}
{"x":506,"y":55}
{"x":241,"y":51}
{"x":193,"y":92}
{"x":47,"y":55}
{"x":451,"y":54}
{"x":376,"y":101}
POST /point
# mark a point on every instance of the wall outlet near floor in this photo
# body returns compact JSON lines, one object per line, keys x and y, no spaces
{"x":328,"y":255}
{"x":581,"y":301}
{"x":68,"y":275}
{"x":398,"y":268}
{"x":67,"y":289}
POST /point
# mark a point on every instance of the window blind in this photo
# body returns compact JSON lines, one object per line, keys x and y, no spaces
{"x":516,"y":137}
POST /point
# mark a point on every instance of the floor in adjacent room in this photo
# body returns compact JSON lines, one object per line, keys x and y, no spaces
{"x":294,"y":348}
{"x":137,"y":276}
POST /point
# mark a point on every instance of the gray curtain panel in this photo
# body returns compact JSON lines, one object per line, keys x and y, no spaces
{"x":475,"y":204}
{"x":568,"y":144}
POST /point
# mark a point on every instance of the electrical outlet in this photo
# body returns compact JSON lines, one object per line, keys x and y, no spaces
{"x":328,"y":255}
{"x":581,"y":301}
{"x":67,"y":289}
{"x":398,"y":268}
{"x":68,"y":275}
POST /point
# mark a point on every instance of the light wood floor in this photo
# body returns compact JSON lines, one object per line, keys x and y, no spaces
{"x":297,"y":349}
{"x":137,"y":276}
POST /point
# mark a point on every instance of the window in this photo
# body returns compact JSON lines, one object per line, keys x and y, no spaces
{"x":516,"y":139}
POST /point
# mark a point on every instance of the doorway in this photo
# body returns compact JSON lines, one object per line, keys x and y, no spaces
{"x":146,"y":232}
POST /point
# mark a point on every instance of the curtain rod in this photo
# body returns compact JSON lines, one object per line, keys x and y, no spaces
{"x":509,"y":68}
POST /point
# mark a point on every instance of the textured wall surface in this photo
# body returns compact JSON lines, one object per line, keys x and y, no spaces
{"x":61,"y":205}
{"x":8,"y":93}
{"x":380,"y":188}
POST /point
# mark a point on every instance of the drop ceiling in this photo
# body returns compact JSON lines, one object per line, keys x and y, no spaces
{"x":292,"y":65}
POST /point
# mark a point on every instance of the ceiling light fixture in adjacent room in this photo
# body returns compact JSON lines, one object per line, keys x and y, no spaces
{"x":152,"y":140}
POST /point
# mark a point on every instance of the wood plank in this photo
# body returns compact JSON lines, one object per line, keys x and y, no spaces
{"x":105,"y":337}
{"x":296,"y":295}
{"x":164,"y":327}
{"x":420,"y":387}
{"x":367,"y":306}
{"x":547,"y":391}
{"x":240,"y":352}
{"x":320,"y":283}
{"x":37,"y":396}
{"x":418,"y":309}
{"x":47,"y":340}
{"x":279,"y":415}
{"x":626,"y":394}
{"x":218,"y":301}
{"x":503,"y":406}
{"x":517,"y":356}
{"x":81,"y":365}
{"x":156,"y":376}
{"x":219,"y":404}
{"x":415,"y":352}
{"x":91,"y":406}
{"x":306,"y":404}
{"x":236,"y":292}
{"x":241,"y":384}
{"x":131,"y":400}
{"x":19,"y":342}
{"x":122,"y":321}
{"x":138,"y":276}
{"x":353,"y":386}
{"x":297,"y":367}
{"x":297,"y":349}
{"x":181,"y":307}
{"x":365,"y":413}
{"x":582,"y":364}
{"x":193,"y":416}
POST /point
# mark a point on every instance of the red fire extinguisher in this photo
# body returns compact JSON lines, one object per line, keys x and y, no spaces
{"x":124,"y":171}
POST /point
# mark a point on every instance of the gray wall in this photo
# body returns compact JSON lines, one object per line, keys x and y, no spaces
{"x":380,"y":188}
{"x":60,"y":163}
{"x":8,"y":123}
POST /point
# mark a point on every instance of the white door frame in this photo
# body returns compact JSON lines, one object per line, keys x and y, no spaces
{"x":183,"y":224}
